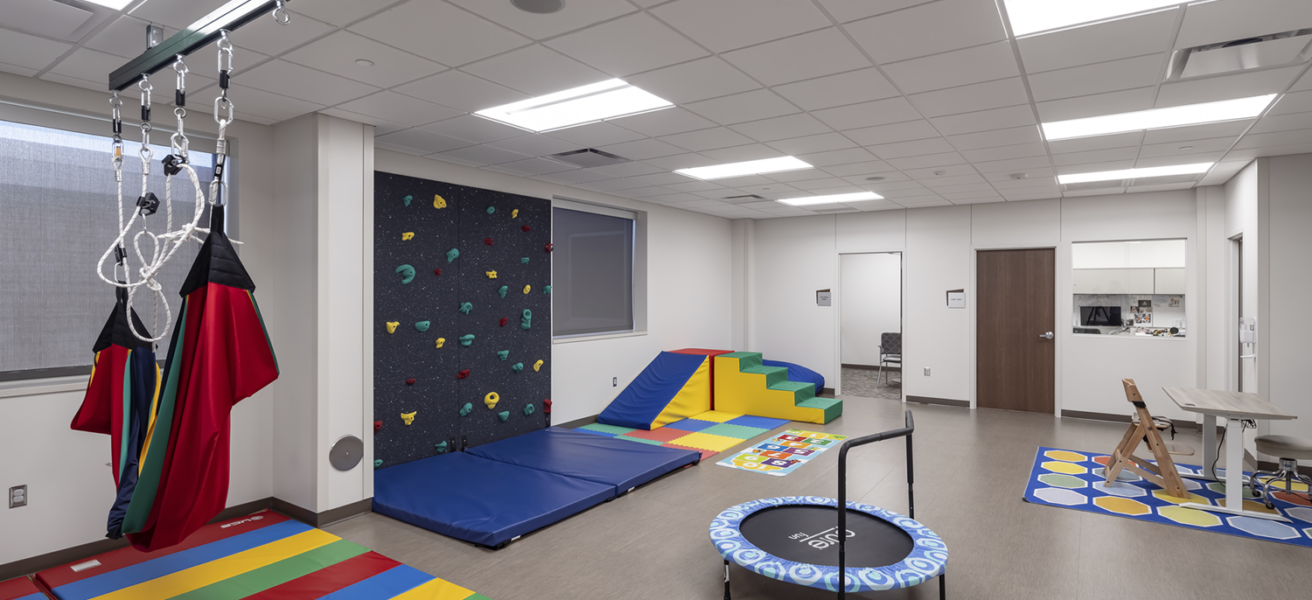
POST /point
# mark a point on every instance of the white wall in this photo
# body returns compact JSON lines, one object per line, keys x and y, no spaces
{"x":1244,"y":200}
{"x":1289,"y":347}
{"x":871,"y":304}
{"x":689,"y":286}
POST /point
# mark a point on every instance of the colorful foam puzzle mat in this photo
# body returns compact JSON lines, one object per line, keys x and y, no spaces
{"x":1070,"y":479}
{"x":783,"y":453}
{"x":21,"y":588}
{"x":264,"y":556}
{"x":709,"y":433}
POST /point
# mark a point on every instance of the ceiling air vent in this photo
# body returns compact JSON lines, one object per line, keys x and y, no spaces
{"x":589,"y":157}
{"x":1273,"y":50}
{"x":743,"y":199}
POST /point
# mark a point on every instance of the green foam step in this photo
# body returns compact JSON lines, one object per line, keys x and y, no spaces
{"x":832,"y":407}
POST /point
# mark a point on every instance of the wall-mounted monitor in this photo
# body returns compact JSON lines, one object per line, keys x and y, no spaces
{"x":1100,"y":316}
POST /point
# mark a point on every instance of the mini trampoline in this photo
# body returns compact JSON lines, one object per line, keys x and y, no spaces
{"x":795,"y":538}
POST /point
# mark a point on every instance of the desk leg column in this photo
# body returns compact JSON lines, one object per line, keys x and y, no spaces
{"x":1234,"y":464}
{"x":1209,"y":447}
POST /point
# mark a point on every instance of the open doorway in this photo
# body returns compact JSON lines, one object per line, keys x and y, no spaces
{"x":870,"y":328}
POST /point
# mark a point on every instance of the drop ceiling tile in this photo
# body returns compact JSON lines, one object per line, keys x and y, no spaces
{"x":1093,"y":156}
{"x":818,"y":184}
{"x":1134,"y":36}
{"x":124,"y":37}
{"x":1094,"y":167}
{"x":851,"y":10}
{"x":1303,"y":83}
{"x":1045,"y":194}
{"x":888,"y":134}
{"x":664,"y":122}
{"x":842,"y":89}
{"x":1096,"y":105}
{"x":473,"y":129}
{"x":813,"y":143}
{"x":1111,"y":76}
{"x":681,"y":161}
{"x":17,"y":70}
{"x":1293,"y":102}
{"x":700,"y":79}
{"x":482,"y":155}
{"x":381,"y":126}
{"x":625,"y":46}
{"x":573,"y":177}
{"x":266,"y":36}
{"x":936,"y":145}
{"x":643,"y":149}
{"x":596,"y":135}
{"x":1012,"y":165}
{"x":342,"y":12}
{"x":868,"y":114}
{"x":1139,"y":189}
{"x":51,"y":19}
{"x":89,"y":65}
{"x":535,"y":144}
{"x":439,"y":31}
{"x":842,"y":189}
{"x":628,"y":169}
{"x":31,"y":52}
{"x":1099,"y":142}
{"x":890,"y":189}
{"x":838,"y":157}
{"x":724,"y":25}
{"x":1213,"y":22}
{"x":1005,"y":152}
{"x":1288,"y":122}
{"x":1186,"y":148}
{"x":881,"y":178}
{"x":738,"y":182}
{"x":461,"y":91}
{"x":985,"y":120}
{"x":1251,"y":153}
{"x":998,"y":137}
{"x":960,"y":199}
{"x":1279,"y":138}
{"x":288,"y":79}
{"x":1048,"y":179}
{"x":972,"y":98}
{"x":533,"y":166}
{"x":742,"y":153}
{"x":954,"y":69}
{"x":956,"y":185}
{"x":931,"y":173}
{"x":421,"y":142}
{"x":338,"y":52}
{"x":610,"y":185}
{"x":779,"y":128}
{"x":739,"y":108}
{"x":694,"y":186}
{"x":535,"y":70}
{"x":922,"y":202}
{"x":399,"y":108}
{"x":771,"y":190}
{"x":928,"y":29}
{"x":250,"y":101}
{"x":643,"y":192}
{"x":877,"y":167}
{"x":1180,"y":159}
{"x":814,"y":54}
{"x":575,"y":14}
{"x":707,"y":139}
{"x":1002,"y":180}
{"x":177,"y":15}
{"x":661,"y":179}
{"x":1226,"y":87}
{"x":928,"y":160}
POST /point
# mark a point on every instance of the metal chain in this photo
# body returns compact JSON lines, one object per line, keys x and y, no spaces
{"x":280,"y":13}
{"x":222,"y":105}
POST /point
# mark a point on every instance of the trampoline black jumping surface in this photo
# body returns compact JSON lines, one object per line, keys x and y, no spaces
{"x":807,"y":534}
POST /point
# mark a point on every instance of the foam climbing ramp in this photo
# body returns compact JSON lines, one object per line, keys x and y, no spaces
{"x":672,"y":387}
{"x":264,"y":556}
{"x":744,"y":385}
{"x":20,"y":589}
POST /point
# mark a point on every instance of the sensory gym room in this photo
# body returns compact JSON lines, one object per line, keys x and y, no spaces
{"x":655,"y":299}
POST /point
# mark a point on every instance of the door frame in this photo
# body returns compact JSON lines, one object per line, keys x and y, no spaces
{"x":1061,"y":256}
{"x":836,"y":298}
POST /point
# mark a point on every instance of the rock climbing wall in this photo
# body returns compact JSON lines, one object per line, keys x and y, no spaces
{"x":447,"y":368}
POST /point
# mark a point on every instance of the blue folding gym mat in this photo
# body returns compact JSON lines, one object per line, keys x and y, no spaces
{"x":479,"y":500}
{"x":618,"y":463}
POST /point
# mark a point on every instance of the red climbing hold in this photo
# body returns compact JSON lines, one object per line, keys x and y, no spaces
{"x":526,"y":228}
{"x":463,"y":374}
{"x":410,"y":381}
{"x":487,"y":241}
{"x":378,"y":425}
{"x":550,"y":247}
{"x":546,"y":406}
{"x":437,"y":272}
{"x":503,"y":321}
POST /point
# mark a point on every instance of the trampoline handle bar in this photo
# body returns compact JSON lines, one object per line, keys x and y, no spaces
{"x":842,"y":489}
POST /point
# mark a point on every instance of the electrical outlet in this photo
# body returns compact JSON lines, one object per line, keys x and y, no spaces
{"x":614,"y":382}
{"x":926,"y":371}
{"x":17,"y":496}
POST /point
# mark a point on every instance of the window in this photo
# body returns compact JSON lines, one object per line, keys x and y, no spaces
{"x":1133,"y":288}
{"x":592,"y":270}
{"x":57,"y":198}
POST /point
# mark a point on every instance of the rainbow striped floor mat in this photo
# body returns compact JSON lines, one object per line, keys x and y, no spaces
{"x":264,"y":556}
{"x":21,"y":588}
{"x":710,"y":433}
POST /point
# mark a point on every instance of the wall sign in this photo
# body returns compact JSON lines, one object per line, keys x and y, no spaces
{"x":823,"y":298}
{"x":956,"y":298}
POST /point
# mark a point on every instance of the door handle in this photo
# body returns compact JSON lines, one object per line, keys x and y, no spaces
{"x":1046,"y":336}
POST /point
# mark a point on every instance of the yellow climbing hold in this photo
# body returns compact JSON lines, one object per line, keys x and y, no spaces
{"x":391,"y":326}
{"x":407,"y":236}
{"x":491,"y":274}
{"x":408,"y":417}
{"x":440,"y":341}
{"x":527,"y":288}
{"x":537,"y":366}
{"x":491,"y":400}
{"x":514,"y":213}
{"x":438,"y":201}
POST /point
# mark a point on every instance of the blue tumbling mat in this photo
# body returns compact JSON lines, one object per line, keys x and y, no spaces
{"x":617,"y":463}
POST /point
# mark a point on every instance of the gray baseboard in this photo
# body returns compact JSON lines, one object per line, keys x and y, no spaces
{"x":939,"y":401}
{"x":896,"y":368}
{"x":577,"y":423}
{"x":327,"y":517}
{"x":1123,"y":418}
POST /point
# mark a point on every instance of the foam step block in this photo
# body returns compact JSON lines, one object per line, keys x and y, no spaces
{"x":744,"y":385}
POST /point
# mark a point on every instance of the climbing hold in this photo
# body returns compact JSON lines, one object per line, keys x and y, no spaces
{"x":407,"y":273}
{"x":422,"y":326}
{"x":503,"y":354}
{"x":514,"y":213}
{"x":546,"y":289}
{"x":408,"y":417}
{"x":466,"y":307}
{"x":491,"y":400}
{"x":504,"y":416}
{"x":437,"y":272}
{"x":503,"y":290}
{"x":440,"y":341}
{"x":490,"y":274}
{"x":487,"y":241}
{"x":517,"y":367}
{"x":491,"y":209}
{"x":467,"y":340}
{"x":537,"y":366}
{"x":452,"y":254}
{"x":391,"y":326}
{"x":410,"y":381}
{"x":378,"y":425}
{"x":549,"y":247}
{"x":440,"y":447}
{"x":503,"y":321}
{"x":407,"y":199}
{"x":463,"y":374}
{"x":526,"y":228}
{"x":524,"y":260}
{"x":529,"y":409}
{"x":407,"y":236}
{"x":378,"y":463}
{"x":438,"y":201}
{"x":546,"y":406}
{"x":466,"y":409}
{"x":527,"y":320}
{"x":527,"y":288}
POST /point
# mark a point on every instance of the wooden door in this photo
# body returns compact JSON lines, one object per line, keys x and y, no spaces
{"x":1015,"y":358}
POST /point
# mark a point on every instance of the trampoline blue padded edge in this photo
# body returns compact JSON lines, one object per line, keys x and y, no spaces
{"x":928,"y":558}
{"x":586,"y":456}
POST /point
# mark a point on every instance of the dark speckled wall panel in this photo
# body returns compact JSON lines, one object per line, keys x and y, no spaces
{"x":437,"y":394}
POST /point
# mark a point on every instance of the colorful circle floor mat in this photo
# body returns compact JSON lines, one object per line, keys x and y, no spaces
{"x":1071,"y":479}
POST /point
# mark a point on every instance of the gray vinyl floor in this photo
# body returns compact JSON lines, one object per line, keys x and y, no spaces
{"x":971,"y":469}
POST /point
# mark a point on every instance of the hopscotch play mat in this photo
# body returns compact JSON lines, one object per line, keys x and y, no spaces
{"x":784,"y":453}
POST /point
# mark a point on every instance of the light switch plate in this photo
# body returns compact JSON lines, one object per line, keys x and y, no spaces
{"x":926,"y":371}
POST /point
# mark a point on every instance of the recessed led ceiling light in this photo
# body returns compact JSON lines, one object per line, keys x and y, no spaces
{"x":832,"y":198}
{"x":1030,"y":16}
{"x":1135,"y":173}
{"x":114,"y":4}
{"x":600,"y":101}
{"x":1158,"y":118}
{"x":364,"y":62}
{"x":751,"y":167}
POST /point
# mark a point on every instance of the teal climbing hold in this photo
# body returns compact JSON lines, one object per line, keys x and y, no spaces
{"x":527,"y":321}
{"x":407,"y":199}
{"x":466,"y":409}
{"x":503,"y":354}
{"x":504,"y":416}
{"x":378,"y":463}
{"x":452,"y":254}
{"x":491,"y":209}
{"x":441,"y":446}
{"x":466,"y":307}
{"x":503,"y":290}
{"x":524,"y":260}
{"x":546,"y":289}
{"x":517,"y":367}
{"x":529,"y":409}
{"x":407,"y":273}
{"x":422,"y":326}
{"x":467,"y":340}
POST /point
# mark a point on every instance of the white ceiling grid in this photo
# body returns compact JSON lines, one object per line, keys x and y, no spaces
{"x":926,"y":102}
